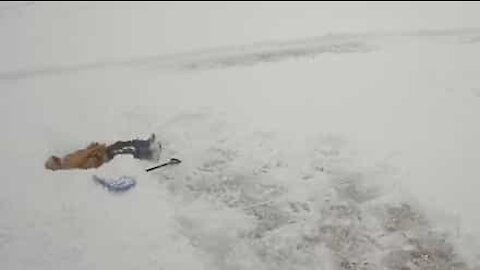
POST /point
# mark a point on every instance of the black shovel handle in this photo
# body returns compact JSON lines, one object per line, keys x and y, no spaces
{"x":172,"y":161}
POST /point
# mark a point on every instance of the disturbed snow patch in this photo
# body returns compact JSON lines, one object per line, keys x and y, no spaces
{"x":259,"y":201}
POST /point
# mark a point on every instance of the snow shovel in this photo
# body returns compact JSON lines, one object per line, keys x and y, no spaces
{"x":172,"y":161}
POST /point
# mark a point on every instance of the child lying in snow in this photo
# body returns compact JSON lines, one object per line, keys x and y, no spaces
{"x":96,"y":154}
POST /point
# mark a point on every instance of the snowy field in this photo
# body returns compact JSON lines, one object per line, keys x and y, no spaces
{"x":329,"y":136}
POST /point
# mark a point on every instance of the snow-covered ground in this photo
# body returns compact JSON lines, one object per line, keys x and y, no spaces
{"x":300,"y":150}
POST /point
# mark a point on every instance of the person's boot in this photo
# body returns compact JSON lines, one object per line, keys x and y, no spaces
{"x":155,"y":148}
{"x":152,"y":138}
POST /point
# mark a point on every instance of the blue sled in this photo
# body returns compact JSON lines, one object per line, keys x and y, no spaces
{"x":121,"y":184}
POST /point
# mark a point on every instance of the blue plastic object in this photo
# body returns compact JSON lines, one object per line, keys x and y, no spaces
{"x":121,"y":184}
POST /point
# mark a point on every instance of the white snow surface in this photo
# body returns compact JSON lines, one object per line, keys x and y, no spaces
{"x":300,"y":149}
